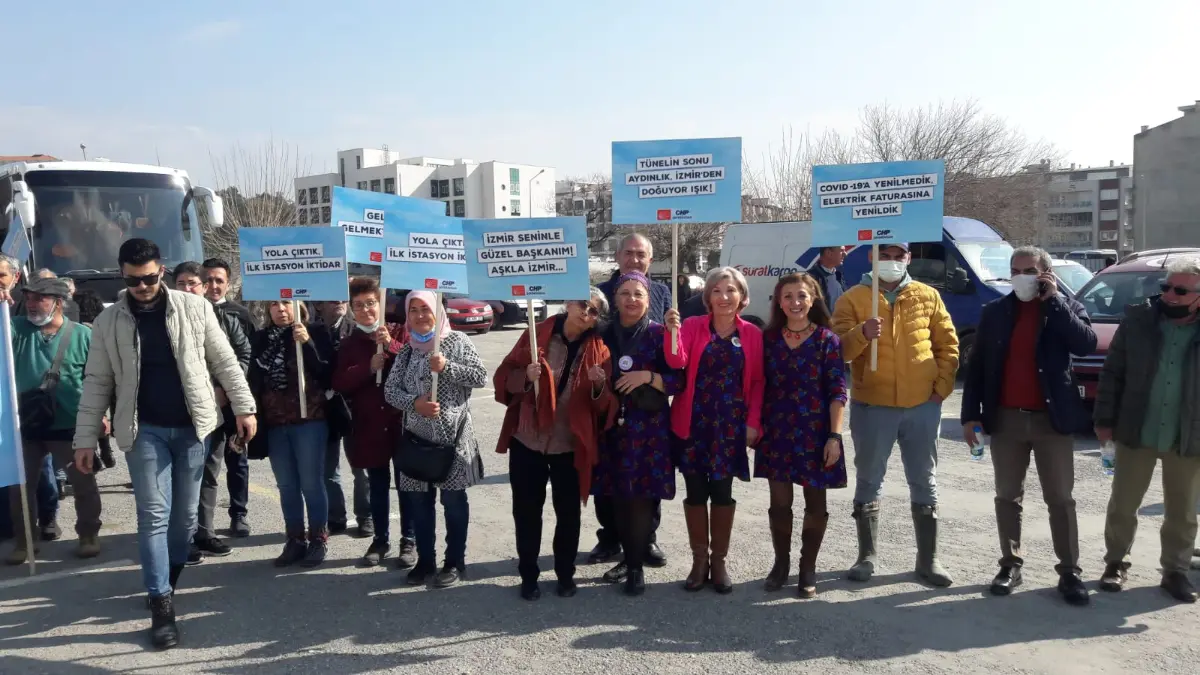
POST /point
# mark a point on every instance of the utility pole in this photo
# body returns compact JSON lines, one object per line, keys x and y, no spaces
{"x":83,"y":149}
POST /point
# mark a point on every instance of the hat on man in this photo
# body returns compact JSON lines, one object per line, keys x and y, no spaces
{"x":53,"y":288}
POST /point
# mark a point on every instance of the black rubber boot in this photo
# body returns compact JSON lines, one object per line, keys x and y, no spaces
{"x":866,"y":517}
{"x":163,"y":631}
{"x":925,"y":522}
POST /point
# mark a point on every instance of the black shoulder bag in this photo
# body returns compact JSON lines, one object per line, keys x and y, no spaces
{"x":424,"y":460}
{"x":36,"y":408}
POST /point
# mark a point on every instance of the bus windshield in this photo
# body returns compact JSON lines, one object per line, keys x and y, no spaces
{"x":83,"y":217}
{"x":990,"y":260}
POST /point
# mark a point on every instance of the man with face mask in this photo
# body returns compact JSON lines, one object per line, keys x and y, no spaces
{"x":1148,"y":402}
{"x":899,"y":402}
{"x":1019,"y":390}
{"x":38,"y":339}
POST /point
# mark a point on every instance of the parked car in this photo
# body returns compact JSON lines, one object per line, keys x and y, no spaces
{"x":464,"y":313}
{"x":509,"y":312}
{"x":1071,"y":274}
{"x":1105,"y":298}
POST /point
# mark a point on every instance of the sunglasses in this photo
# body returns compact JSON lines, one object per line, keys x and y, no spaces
{"x":147,"y":280}
{"x":1178,"y":290}
{"x":590,"y":310}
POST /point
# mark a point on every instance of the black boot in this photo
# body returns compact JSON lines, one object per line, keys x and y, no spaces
{"x":929,"y":568}
{"x":163,"y":631}
{"x":176,"y":570}
{"x":866,"y":518}
{"x":635,"y":582}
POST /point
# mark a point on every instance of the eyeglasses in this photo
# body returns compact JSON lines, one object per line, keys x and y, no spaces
{"x":1178,"y":290}
{"x":360,"y":306}
{"x":146,"y":280}
{"x":189,"y":284}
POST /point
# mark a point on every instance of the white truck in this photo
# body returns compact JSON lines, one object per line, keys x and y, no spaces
{"x":78,"y":214}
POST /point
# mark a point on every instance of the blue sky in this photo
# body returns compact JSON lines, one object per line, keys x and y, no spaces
{"x":553,"y":83}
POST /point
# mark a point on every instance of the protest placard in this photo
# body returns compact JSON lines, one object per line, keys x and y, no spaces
{"x":695,"y":180}
{"x":365,"y":215}
{"x":878,"y":203}
{"x":525,"y":258}
{"x":425,"y":251}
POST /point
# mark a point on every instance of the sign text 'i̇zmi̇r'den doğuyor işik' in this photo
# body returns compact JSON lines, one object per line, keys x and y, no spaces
{"x":526,"y":252}
{"x":292,"y":259}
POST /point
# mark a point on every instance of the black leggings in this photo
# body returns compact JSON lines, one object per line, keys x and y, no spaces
{"x":702,"y":489}
{"x":783,"y":494}
{"x":635,"y":522}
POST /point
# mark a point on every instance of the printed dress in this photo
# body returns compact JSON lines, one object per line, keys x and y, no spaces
{"x":801,"y":384}
{"x":717,"y":447}
{"x":635,"y":454}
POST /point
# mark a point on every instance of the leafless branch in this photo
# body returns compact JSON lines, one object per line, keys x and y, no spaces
{"x":591,"y":196}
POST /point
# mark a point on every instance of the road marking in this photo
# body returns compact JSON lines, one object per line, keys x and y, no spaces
{"x":54,"y":576}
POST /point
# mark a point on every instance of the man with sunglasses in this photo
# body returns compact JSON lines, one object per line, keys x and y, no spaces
{"x":1148,"y":403}
{"x":154,"y":357}
{"x":189,"y":279}
{"x":1018,"y":388}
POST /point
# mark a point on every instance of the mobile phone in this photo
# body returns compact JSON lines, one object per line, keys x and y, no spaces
{"x":1043,"y":288}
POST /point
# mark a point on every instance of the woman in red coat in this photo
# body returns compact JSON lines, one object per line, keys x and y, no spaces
{"x":363,"y":354}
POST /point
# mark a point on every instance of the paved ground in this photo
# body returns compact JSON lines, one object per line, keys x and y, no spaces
{"x":239,"y":614}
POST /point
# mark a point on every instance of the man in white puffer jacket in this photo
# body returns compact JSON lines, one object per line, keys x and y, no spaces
{"x":154,"y":355}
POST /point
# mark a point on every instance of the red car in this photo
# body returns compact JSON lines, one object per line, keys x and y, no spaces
{"x":464,"y":314}
{"x":1105,"y":298}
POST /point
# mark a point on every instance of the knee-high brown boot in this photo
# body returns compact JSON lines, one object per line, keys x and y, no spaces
{"x":811,"y":536}
{"x":781,"y":540}
{"x":697,"y":527}
{"x":722,"y":531}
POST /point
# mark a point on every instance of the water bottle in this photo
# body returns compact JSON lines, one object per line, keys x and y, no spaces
{"x":977,"y":447}
{"x":1108,"y":457}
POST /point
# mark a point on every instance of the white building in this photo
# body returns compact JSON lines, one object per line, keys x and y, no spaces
{"x":1088,"y":208}
{"x":470,"y":189}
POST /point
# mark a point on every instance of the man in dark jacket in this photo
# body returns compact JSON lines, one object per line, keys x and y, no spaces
{"x":1148,"y":402}
{"x":1019,"y":390}
{"x":828,"y":272}
{"x":217,"y":276}
{"x":189,"y":278}
{"x":634,"y":254}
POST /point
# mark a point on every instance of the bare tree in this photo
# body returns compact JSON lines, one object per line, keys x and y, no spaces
{"x":257,"y":186}
{"x":986,"y":160}
{"x":695,"y":240}
{"x":781,"y":187}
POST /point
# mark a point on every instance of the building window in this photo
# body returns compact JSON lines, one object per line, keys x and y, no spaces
{"x":362,"y":185}
{"x":444,"y":188}
{"x":460,"y":187}
{"x":460,"y":207}
{"x":302,"y":214}
{"x":302,"y":197}
{"x":342,"y":171}
{"x":324,"y":194}
{"x":312,"y":195}
{"x":514,"y":181}
{"x":1110,"y":194}
{"x":578,"y":205}
{"x":314,"y":218}
{"x":1108,"y":214}
{"x":375,"y":185}
{"x":447,"y":208}
{"x":326,"y":211}
{"x":590,"y":204}
{"x":389,"y":185}
{"x":358,"y":161}
{"x":515,"y":205}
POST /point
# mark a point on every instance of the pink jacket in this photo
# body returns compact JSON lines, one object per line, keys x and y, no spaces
{"x":694,"y":336}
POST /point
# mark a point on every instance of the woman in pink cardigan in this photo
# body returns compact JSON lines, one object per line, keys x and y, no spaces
{"x":715,"y":418}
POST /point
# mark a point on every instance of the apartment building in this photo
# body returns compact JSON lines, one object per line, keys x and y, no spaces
{"x":1166,"y":196}
{"x":469,"y":189}
{"x":1087,"y":208}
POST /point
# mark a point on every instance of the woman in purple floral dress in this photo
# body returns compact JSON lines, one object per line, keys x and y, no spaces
{"x":803,"y":404}
{"x":634,"y":465}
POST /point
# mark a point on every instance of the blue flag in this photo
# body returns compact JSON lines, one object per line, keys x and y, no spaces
{"x":11,"y":468}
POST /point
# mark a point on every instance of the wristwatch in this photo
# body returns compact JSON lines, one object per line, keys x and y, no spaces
{"x":834,"y":437}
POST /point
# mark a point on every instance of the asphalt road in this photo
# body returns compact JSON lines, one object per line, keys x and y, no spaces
{"x":241,"y":615}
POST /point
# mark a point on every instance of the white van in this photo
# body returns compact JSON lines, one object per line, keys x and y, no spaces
{"x":764,"y":252}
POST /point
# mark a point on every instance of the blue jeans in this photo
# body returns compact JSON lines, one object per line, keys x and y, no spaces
{"x":458,"y":514}
{"x":381,"y":489}
{"x":876,"y":429}
{"x":297,"y":454}
{"x":47,"y":492}
{"x":166,"y":466}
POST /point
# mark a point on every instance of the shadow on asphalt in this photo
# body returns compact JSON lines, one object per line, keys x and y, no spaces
{"x":291,"y":614}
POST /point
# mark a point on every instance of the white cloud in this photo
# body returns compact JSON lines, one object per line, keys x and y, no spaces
{"x":213,"y":31}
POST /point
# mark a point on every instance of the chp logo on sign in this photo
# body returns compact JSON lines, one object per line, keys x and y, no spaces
{"x":376,"y":257}
{"x":431,"y":284}
{"x":285,"y":294}
{"x":518,"y":291}
{"x":664,"y":214}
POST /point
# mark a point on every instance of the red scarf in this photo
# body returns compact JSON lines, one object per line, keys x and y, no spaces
{"x":527,"y":411}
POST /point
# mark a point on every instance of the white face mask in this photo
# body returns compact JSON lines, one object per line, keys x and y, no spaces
{"x":367,"y":329}
{"x":40,"y":321}
{"x":1025,"y":286}
{"x":891,"y":271}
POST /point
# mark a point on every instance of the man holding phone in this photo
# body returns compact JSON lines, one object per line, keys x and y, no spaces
{"x":1019,"y":389}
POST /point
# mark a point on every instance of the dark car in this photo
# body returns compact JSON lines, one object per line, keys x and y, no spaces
{"x":1105,"y":298}
{"x":509,"y":312}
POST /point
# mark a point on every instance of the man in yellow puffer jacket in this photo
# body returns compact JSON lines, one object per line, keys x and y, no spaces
{"x":900,"y":402}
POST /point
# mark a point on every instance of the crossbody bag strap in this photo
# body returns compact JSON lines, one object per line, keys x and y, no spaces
{"x":50,"y":379}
